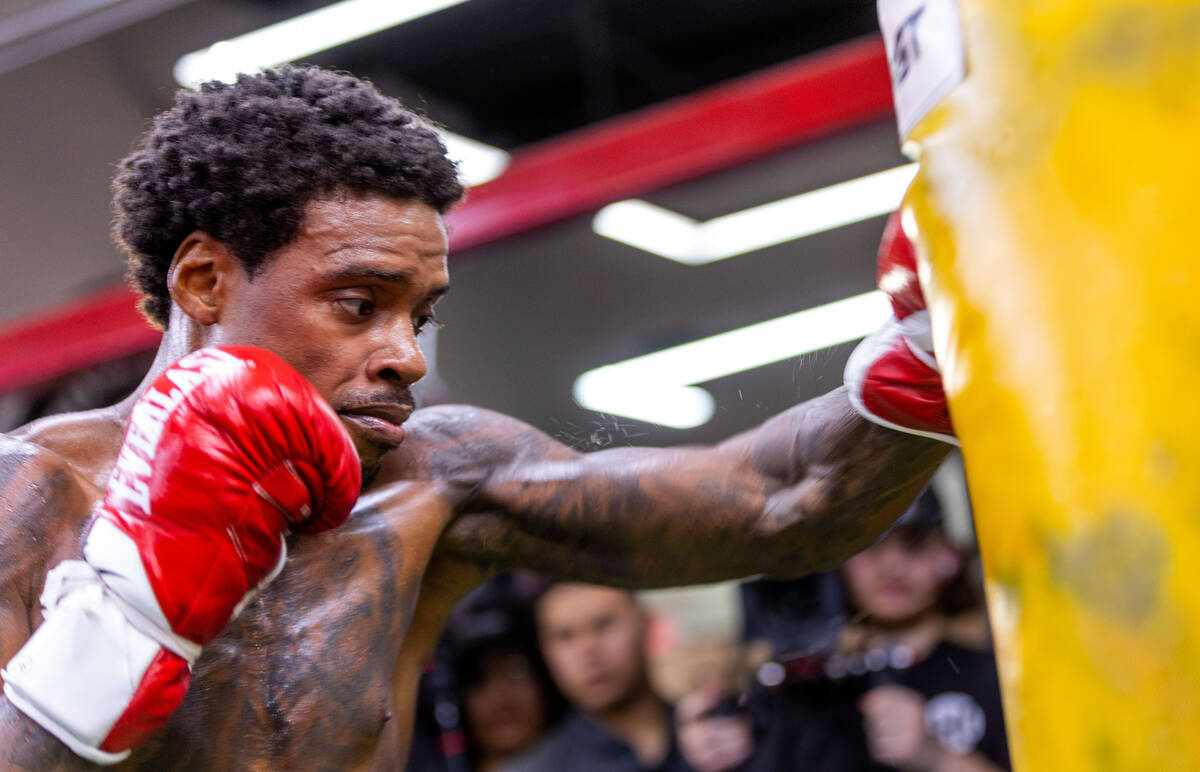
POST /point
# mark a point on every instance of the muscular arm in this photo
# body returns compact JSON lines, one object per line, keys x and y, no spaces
{"x":800,"y":493}
{"x":39,"y":498}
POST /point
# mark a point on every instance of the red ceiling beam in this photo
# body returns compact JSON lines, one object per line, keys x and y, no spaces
{"x":90,"y":330}
{"x":662,"y":145}
{"x":676,"y":141}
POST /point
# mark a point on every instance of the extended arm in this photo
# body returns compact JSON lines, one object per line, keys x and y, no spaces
{"x":802,"y":492}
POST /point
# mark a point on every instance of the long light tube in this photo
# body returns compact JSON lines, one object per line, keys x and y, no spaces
{"x":661,"y":387}
{"x":677,"y":237}
{"x":324,"y":28}
{"x":477,"y":162}
{"x":300,"y":36}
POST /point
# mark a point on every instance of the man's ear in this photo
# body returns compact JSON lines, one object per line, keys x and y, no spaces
{"x":202,"y":274}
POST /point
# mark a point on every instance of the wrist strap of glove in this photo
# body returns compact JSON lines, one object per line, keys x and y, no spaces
{"x":81,"y":668}
{"x":118,"y":565}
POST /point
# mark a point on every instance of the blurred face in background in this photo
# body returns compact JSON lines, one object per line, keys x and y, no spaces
{"x":592,"y":640}
{"x":900,"y":580}
{"x":505,"y":708}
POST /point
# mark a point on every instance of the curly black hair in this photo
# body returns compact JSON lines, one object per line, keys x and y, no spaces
{"x":241,"y":162}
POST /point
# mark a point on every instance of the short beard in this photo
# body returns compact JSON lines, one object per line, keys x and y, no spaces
{"x":368,"y":477}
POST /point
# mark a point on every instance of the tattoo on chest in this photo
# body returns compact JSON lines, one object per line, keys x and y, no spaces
{"x":302,"y":679}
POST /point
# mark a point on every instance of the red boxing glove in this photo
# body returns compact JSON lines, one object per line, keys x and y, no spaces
{"x":225,"y":452}
{"x":892,"y":378}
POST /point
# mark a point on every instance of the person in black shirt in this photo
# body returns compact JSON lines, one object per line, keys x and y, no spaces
{"x":593,"y":642}
{"x":897,"y":691}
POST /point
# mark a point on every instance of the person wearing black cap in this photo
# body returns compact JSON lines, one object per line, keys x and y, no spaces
{"x":900,"y":689}
{"x":508,"y":698}
{"x":487,"y":696}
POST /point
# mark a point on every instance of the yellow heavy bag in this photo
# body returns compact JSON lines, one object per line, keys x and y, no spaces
{"x":1056,"y":213}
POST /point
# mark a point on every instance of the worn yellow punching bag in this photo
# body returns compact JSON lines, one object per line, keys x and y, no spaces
{"x":1056,"y":213}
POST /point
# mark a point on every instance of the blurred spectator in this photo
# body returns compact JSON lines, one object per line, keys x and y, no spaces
{"x":506,"y":699}
{"x":593,"y":641}
{"x":488,"y":697}
{"x":898,"y":689}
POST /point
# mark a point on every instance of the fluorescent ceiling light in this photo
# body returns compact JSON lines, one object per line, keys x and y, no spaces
{"x":300,"y":36}
{"x":325,"y":28}
{"x":661,"y":387}
{"x":477,"y":162}
{"x":678,"y":237}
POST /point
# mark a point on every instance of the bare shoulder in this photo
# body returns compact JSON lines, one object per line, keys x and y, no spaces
{"x":44,"y":504}
{"x":51,"y":473}
{"x":459,"y":450}
{"x":463,"y":444}
{"x":87,"y":441}
{"x":457,"y":424}
{"x":29,"y":469}
{"x":41,"y":493}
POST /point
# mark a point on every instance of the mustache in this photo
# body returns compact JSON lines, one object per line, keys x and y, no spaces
{"x":401,"y":398}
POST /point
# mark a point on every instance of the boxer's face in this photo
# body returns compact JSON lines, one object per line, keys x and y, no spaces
{"x":344,"y":303}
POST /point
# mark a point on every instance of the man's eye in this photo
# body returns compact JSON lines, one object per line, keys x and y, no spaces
{"x":359,"y":308}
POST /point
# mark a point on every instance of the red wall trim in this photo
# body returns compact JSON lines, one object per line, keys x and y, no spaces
{"x":94,"y":329}
{"x":628,"y":156}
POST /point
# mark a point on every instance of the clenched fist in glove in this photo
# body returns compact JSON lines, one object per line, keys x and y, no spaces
{"x":228,"y":450}
{"x":892,"y":377}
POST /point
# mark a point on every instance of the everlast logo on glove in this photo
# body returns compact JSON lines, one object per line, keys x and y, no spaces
{"x":131,"y":477}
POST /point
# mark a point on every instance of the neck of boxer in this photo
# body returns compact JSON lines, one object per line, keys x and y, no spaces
{"x":182,"y":336}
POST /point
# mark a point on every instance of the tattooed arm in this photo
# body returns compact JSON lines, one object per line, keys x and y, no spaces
{"x":800,"y":493}
{"x":41,"y":508}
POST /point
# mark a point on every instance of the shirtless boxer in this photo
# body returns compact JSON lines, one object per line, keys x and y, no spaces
{"x":300,"y":212}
